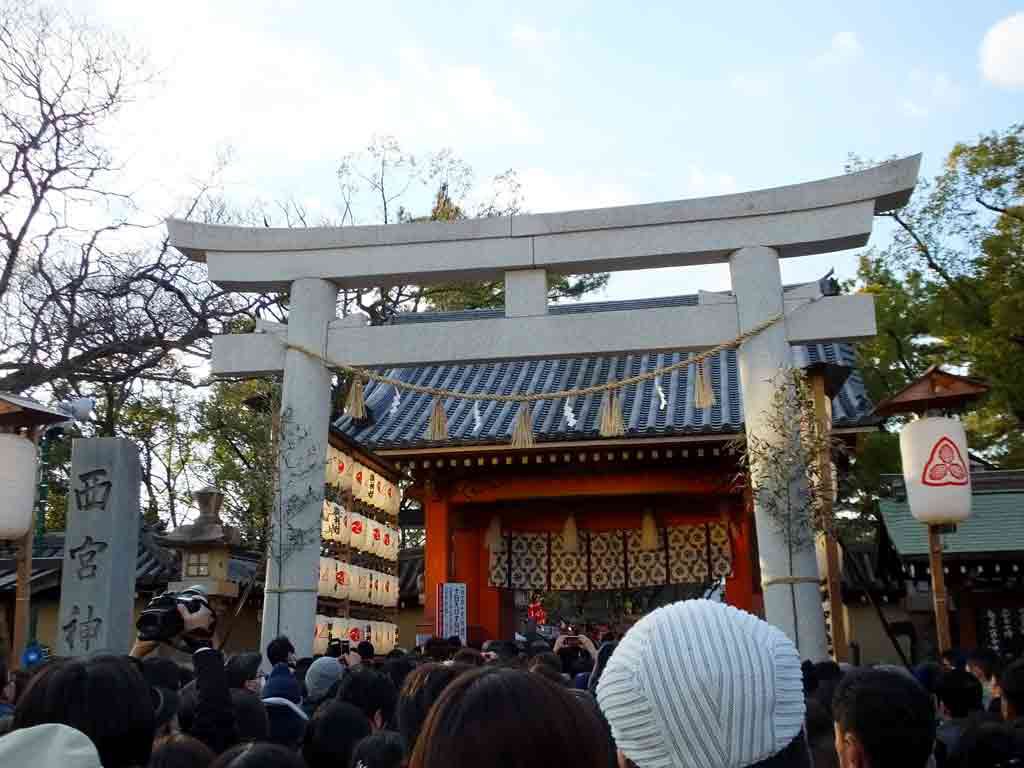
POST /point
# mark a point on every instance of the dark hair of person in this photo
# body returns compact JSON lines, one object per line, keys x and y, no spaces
{"x":104,"y":697}
{"x":794,"y":755}
{"x":986,"y":660}
{"x":301,"y":668}
{"x":250,"y":715}
{"x":21,"y":678}
{"x":507,"y":718}
{"x":827,"y":670}
{"x":395,"y":653}
{"x":437,"y":649}
{"x":928,"y":673}
{"x":454,"y":642}
{"x":960,"y":692}
{"x":989,"y":744}
{"x":369,"y":691}
{"x":821,"y":739}
{"x":890,"y":714}
{"x":422,"y":688}
{"x":366,"y":650}
{"x":603,"y":654}
{"x":332,"y":733}
{"x":398,"y":669}
{"x":1011,"y":684}
{"x":470,"y":656}
{"x":258,"y":755}
{"x":546,"y":659}
{"x":383,"y":749}
{"x":279,"y":649}
{"x":243,"y":667}
{"x":180,"y":751}
{"x":334,"y":648}
{"x":548,"y":673}
{"x":809,"y":676}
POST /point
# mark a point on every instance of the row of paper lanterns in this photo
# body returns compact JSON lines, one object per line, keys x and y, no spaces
{"x":383,"y":634}
{"x":344,"y":581}
{"x":366,"y":486}
{"x":364,"y":534}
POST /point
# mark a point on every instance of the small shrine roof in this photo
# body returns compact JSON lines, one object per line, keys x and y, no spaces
{"x":996,"y":524}
{"x":403,"y":426}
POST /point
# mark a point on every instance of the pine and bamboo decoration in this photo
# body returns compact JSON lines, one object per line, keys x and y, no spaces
{"x":612,"y":424}
{"x":704,"y":392}
{"x":522,"y":433}
{"x":355,"y":402}
{"x":437,"y":428}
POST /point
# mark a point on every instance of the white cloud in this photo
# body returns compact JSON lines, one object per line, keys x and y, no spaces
{"x":1002,"y":52}
{"x":843,"y":48}
{"x":544,"y":192}
{"x":287,"y":104}
{"x":931,"y":92}
{"x":525,"y":35}
{"x":846,"y":45}
{"x":913,"y":109}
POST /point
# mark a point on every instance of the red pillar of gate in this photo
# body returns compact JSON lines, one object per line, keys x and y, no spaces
{"x":438,"y":551}
{"x":739,"y":586}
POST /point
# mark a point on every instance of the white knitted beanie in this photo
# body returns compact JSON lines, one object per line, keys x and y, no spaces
{"x":699,"y":684}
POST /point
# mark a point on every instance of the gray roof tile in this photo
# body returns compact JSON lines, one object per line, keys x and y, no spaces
{"x":407,"y":424}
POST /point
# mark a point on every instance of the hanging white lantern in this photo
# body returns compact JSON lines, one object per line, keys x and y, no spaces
{"x":320,"y":636}
{"x":325,"y":585}
{"x":936,"y":470}
{"x":357,"y":524}
{"x":344,"y":533}
{"x":339,"y":628}
{"x":342,"y":580}
{"x":17,"y":485}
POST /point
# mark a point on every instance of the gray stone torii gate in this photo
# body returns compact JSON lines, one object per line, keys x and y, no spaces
{"x":750,"y":231}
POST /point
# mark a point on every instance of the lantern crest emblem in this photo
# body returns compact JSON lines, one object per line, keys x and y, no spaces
{"x":945,"y":465}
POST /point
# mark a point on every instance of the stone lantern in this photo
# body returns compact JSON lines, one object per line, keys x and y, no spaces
{"x":205,"y":549}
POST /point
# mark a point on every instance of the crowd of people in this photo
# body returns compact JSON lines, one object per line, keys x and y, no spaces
{"x":695,"y":684}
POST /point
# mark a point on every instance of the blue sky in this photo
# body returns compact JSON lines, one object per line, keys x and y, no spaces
{"x":593,"y":103}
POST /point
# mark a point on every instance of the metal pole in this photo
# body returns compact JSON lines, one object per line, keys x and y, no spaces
{"x":938,"y":587}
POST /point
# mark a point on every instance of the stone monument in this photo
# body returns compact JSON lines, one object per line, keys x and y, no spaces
{"x":101,"y":541}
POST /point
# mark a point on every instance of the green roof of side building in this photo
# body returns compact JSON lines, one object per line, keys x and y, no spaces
{"x":996,"y":523}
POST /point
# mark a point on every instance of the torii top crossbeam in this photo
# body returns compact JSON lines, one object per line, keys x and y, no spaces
{"x":796,"y":220}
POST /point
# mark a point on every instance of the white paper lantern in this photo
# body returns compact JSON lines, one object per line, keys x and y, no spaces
{"x":325,"y":585}
{"x":338,"y":628}
{"x":357,"y":526}
{"x":331,"y":522}
{"x":17,"y":485}
{"x":359,"y":475}
{"x":321,"y":635}
{"x":342,"y":580}
{"x":936,"y":470}
{"x":345,"y":468}
{"x":344,"y":534}
{"x":375,"y":544}
{"x":387,"y":543}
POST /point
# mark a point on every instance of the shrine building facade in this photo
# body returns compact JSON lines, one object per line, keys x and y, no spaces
{"x":496,"y":516}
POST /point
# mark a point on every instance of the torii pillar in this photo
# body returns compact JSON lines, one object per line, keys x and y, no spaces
{"x":293,"y":554}
{"x":792,"y":595}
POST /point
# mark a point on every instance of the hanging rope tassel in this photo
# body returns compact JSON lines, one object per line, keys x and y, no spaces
{"x":437,"y":428}
{"x":522,"y":433}
{"x":704,"y":392}
{"x":355,"y":403}
{"x":612,"y":424}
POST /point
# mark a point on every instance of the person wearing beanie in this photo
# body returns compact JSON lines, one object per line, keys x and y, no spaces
{"x":281,"y":697}
{"x":700,"y":684}
{"x":321,"y":683}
